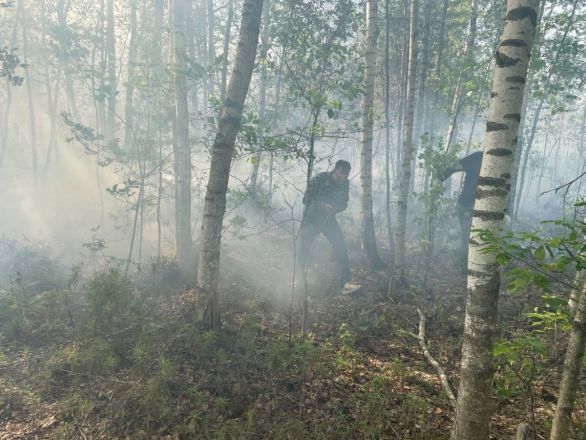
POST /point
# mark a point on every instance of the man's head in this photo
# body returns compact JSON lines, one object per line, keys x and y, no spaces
{"x":341,"y":171}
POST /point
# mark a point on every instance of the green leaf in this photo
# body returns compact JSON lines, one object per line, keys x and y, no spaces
{"x":502,"y":259}
{"x":539,"y":254}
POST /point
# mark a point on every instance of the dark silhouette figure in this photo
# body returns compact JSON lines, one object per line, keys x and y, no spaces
{"x":470,"y":165}
{"x":326,"y":195}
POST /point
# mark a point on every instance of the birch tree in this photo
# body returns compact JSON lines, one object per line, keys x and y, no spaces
{"x":367,"y":218}
{"x":215,"y":199}
{"x":571,"y":375}
{"x":512,"y":60}
{"x":182,"y":147}
{"x":405,"y":178}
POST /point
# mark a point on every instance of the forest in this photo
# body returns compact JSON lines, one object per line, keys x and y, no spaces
{"x":293,"y":219}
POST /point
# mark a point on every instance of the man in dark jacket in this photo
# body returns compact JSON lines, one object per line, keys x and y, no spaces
{"x":470,"y":166}
{"x":326,"y":195}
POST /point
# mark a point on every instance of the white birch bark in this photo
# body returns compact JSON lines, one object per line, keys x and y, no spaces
{"x":405,"y":177}
{"x":512,"y":60}
{"x":182,"y":146}
{"x":111,"y":57}
{"x":366,"y":214}
{"x":571,"y":375}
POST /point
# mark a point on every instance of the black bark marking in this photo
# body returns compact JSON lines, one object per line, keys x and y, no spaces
{"x":484,"y":193}
{"x":476,"y":273}
{"x":521,"y":13}
{"x":508,"y":186}
{"x":506,"y":176}
{"x":489,"y":215}
{"x":503,"y":60}
{"x":514,"y":116}
{"x":496,"y":182}
{"x":514,"y":88}
{"x":516,"y":79}
{"x":493,"y":94}
{"x":473,"y":242}
{"x":513,"y":42}
{"x":499,"y":152}
{"x":496,"y":126}
{"x":515,"y":140}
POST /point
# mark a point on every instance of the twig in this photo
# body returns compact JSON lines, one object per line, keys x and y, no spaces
{"x":568,"y":184}
{"x":433,"y":362}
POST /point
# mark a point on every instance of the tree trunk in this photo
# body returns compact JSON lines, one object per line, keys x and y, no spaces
{"x":405,"y":179}
{"x":438,"y":66}
{"x":131,"y":73}
{"x":512,"y":60}
{"x":572,"y":372}
{"x":421,"y":88}
{"x":367,"y":218}
{"x":527,"y":153}
{"x":111,"y":57}
{"x":264,"y":48}
{"x":211,"y":45}
{"x":462,"y":77}
{"x":402,"y":85}
{"x":27,"y":79}
{"x":225,"y":57}
{"x":183,"y":151}
{"x":388,"y":147}
{"x":192,"y":54}
{"x":215,"y":199}
{"x":519,"y":187}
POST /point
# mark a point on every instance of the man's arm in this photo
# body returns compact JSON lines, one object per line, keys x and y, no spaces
{"x":313,"y":188}
{"x":448,"y":172}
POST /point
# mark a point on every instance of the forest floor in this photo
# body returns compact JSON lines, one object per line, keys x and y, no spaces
{"x":102,"y":367}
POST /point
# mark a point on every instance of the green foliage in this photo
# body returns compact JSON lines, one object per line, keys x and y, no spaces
{"x":110,"y":306}
{"x":33,"y":299}
{"x":93,"y":143}
{"x":347,"y":338}
{"x":76,"y":363}
{"x":159,"y":389}
{"x":538,"y":257}
{"x":9,"y":62}
{"x":517,"y":364}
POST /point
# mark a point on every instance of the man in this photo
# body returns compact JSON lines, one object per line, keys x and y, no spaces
{"x":326,"y":195}
{"x":470,"y":165}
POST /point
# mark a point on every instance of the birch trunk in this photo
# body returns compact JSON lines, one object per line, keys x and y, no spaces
{"x":264,"y":47}
{"x":572,"y":372}
{"x":438,"y":66}
{"x":111,"y":57}
{"x":131,"y":73}
{"x":367,"y":217}
{"x":462,"y":77}
{"x":405,"y":179}
{"x":388,"y":147}
{"x":211,"y":45}
{"x":182,"y":151}
{"x":215,"y":199}
{"x":27,"y":78}
{"x":512,"y":60}
{"x":226,"y":48}
{"x":520,"y":185}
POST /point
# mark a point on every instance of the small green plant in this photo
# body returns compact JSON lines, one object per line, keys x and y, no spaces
{"x":111,"y":307}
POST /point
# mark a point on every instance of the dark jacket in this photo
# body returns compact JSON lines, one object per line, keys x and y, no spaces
{"x":470,"y":165}
{"x":322,"y":190}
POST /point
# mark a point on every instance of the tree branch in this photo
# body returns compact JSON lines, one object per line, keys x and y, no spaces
{"x":433,"y":362}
